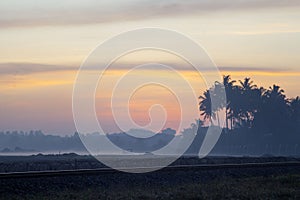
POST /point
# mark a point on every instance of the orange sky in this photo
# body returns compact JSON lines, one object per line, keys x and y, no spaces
{"x":43,"y":100}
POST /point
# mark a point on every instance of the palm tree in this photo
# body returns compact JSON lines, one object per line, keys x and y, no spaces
{"x":247,"y":103}
{"x":210,"y":109}
{"x":219,"y":95}
{"x":235,"y":104}
{"x":229,"y":87}
{"x":257,"y":101}
{"x":205,"y":106}
{"x":247,"y":84}
{"x":275,"y":109}
{"x":295,"y":106}
{"x":295,"y":113}
{"x":276,"y":93}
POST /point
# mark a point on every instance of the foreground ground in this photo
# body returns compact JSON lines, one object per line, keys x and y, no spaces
{"x":277,"y":187}
{"x":237,"y":183}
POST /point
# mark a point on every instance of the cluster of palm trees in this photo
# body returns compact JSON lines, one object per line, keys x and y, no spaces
{"x":250,"y":106}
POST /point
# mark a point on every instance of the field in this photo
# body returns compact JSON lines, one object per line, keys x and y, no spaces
{"x":278,"y":182}
{"x":73,"y":161}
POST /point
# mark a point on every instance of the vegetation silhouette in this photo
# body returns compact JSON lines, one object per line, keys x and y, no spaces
{"x":256,"y":117}
{"x":249,"y":106}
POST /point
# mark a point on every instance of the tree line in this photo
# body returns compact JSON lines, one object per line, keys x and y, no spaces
{"x":248,"y":106}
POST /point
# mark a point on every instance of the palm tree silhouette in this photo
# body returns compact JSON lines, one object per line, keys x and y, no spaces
{"x":275,"y":93}
{"x":295,"y":113}
{"x":220,"y":103}
{"x":275,"y":109}
{"x":246,"y":106}
{"x":205,"y":106}
{"x":247,"y":84}
{"x":229,"y":87}
{"x":210,"y":110}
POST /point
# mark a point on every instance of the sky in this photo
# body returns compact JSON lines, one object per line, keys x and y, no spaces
{"x":43,"y":44}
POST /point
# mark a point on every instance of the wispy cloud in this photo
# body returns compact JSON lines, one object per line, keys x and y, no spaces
{"x":258,"y":69}
{"x":264,"y":32}
{"x":31,"y":68}
{"x":32,"y":13}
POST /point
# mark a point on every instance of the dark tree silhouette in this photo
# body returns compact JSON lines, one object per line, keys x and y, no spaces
{"x":246,"y":101}
{"x":250,"y":106}
{"x":219,"y":94}
{"x":275,"y":110}
{"x":205,"y":106}
{"x":229,"y":88}
{"x":211,"y":110}
{"x":295,"y":113}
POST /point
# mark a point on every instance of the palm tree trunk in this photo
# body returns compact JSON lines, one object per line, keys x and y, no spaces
{"x":218,"y":119}
{"x":226,"y":119}
{"x":211,"y":121}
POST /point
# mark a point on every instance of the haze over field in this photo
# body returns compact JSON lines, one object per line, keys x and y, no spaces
{"x":44,"y":43}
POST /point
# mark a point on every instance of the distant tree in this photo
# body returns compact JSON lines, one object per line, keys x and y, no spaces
{"x":168,"y":131}
{"x":198,"y":123}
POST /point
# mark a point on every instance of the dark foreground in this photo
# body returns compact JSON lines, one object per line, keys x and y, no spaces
{"x":236,"y":183}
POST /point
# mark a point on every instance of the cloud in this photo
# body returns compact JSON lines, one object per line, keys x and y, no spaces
{"x":256,"y":69}
{"x":61,"y":13}
{"x":30,"y":68}
{"x":253,"y":33}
